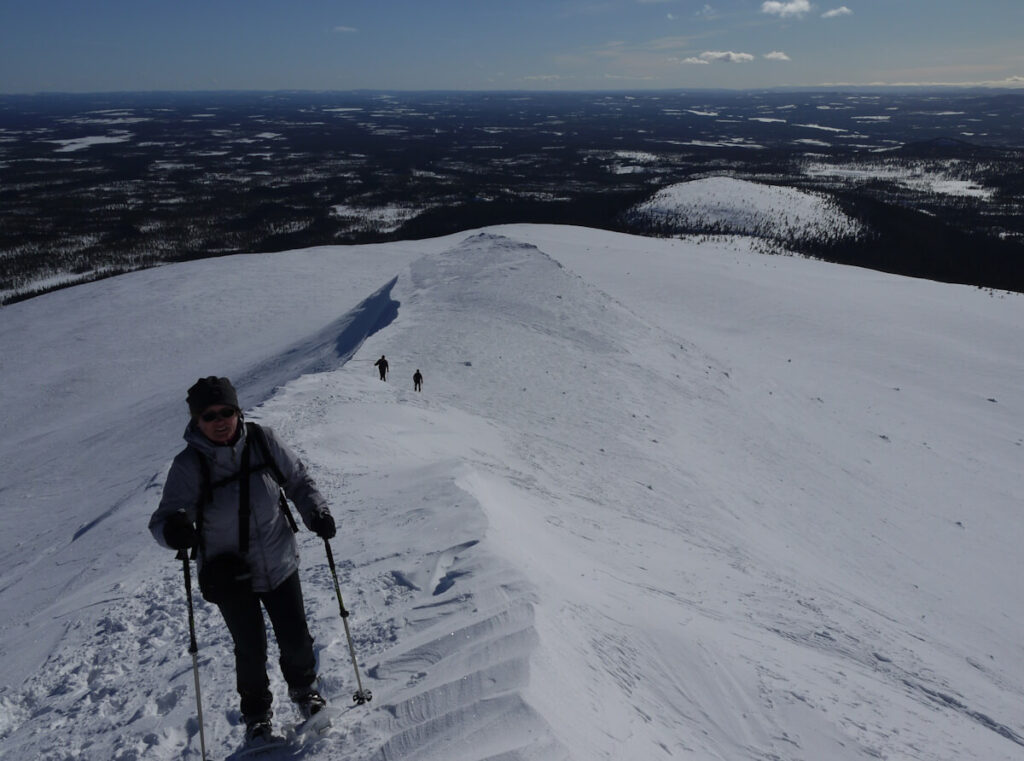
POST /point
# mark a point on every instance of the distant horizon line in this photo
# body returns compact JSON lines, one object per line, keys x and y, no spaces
{"x":839,"y":88}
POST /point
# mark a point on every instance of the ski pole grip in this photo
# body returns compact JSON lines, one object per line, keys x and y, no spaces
{"x":334,"y":575}
{"x":330,"y":556}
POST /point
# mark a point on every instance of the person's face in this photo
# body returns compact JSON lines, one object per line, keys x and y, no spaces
{"x":218,"y":423}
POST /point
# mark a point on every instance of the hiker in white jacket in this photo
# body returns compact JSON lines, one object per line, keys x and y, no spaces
{"x":223,"y":497}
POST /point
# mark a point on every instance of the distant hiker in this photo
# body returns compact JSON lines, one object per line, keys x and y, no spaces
{"x":382,"y":365}
{"x":222,"y":497}
{"x":417,"y":381}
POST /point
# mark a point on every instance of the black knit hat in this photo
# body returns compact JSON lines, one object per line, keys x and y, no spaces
{"x":209,"y":391}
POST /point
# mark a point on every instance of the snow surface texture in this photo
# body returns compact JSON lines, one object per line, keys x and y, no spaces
{"x":727,"y":205}
{"x":916,"y":178}
{"x":656,"y":500}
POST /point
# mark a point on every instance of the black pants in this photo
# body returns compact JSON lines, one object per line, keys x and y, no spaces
{"x":244,"y":618}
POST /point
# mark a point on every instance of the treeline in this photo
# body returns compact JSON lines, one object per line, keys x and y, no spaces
{"x":71,"y":237}
{"x":892,"y":238}
{"x":601,"y":211}
{"x":143,"y":236}
{"x":908,"y":242}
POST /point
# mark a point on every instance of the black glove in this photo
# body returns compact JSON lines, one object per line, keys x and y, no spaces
{"x":179,"y":533}
{"x":322,"y":524}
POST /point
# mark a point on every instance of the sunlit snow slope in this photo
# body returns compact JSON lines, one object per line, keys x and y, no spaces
{"x":656,"y":500}
{"x":732,"y":206}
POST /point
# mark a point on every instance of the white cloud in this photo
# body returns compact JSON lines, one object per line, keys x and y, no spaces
{"x":777,"y":55}
{"x":720,"y":56}
{"x":842,"y":10}
{"x":787,"y":8}
{"x":345,"y":29}
{"x":706,"y":12}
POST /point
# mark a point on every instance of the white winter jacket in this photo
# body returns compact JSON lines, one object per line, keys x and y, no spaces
{"x":273,"y":553}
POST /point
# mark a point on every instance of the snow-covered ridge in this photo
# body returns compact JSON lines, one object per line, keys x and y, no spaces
{"x":656,"y":500}
{"x":726,"y":205}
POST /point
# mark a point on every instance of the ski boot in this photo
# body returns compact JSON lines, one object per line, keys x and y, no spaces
{"x":307,"y":701}
{"x":259,"y":731}
{"x":312,"y":708}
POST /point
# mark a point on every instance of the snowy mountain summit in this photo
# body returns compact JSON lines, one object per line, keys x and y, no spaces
{"x":726,"y":205}
{"x":656,"y":499}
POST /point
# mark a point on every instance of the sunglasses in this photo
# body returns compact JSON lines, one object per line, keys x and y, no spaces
{"x":227,"y":412}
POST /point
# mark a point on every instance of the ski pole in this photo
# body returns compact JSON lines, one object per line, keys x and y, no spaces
{"x":361,"y":696}
{"x":193,"y":648}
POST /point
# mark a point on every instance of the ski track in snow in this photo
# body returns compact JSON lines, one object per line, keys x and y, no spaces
{"x":575,"y":544}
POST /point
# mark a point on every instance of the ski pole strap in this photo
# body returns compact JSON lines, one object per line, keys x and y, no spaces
{"x":255,"y":432}
{"x":283,"y":503}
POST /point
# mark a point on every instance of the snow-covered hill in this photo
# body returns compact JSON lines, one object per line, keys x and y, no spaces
{"x":657,"y":499}
{"x":726,"y":205}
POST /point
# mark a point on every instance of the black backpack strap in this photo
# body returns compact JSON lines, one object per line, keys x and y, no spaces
{"x":205,"y":496}
{"x":244,"y":509}
{"x":253,"y":433}
{"x":256,"y":433}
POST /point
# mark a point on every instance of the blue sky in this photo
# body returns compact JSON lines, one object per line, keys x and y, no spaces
{"x":112,"y":45}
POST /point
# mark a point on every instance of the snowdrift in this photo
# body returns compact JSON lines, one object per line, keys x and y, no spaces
{"x":656,"y":499}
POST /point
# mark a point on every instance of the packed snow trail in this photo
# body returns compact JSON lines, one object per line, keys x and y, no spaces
{"x":617,"y":523}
